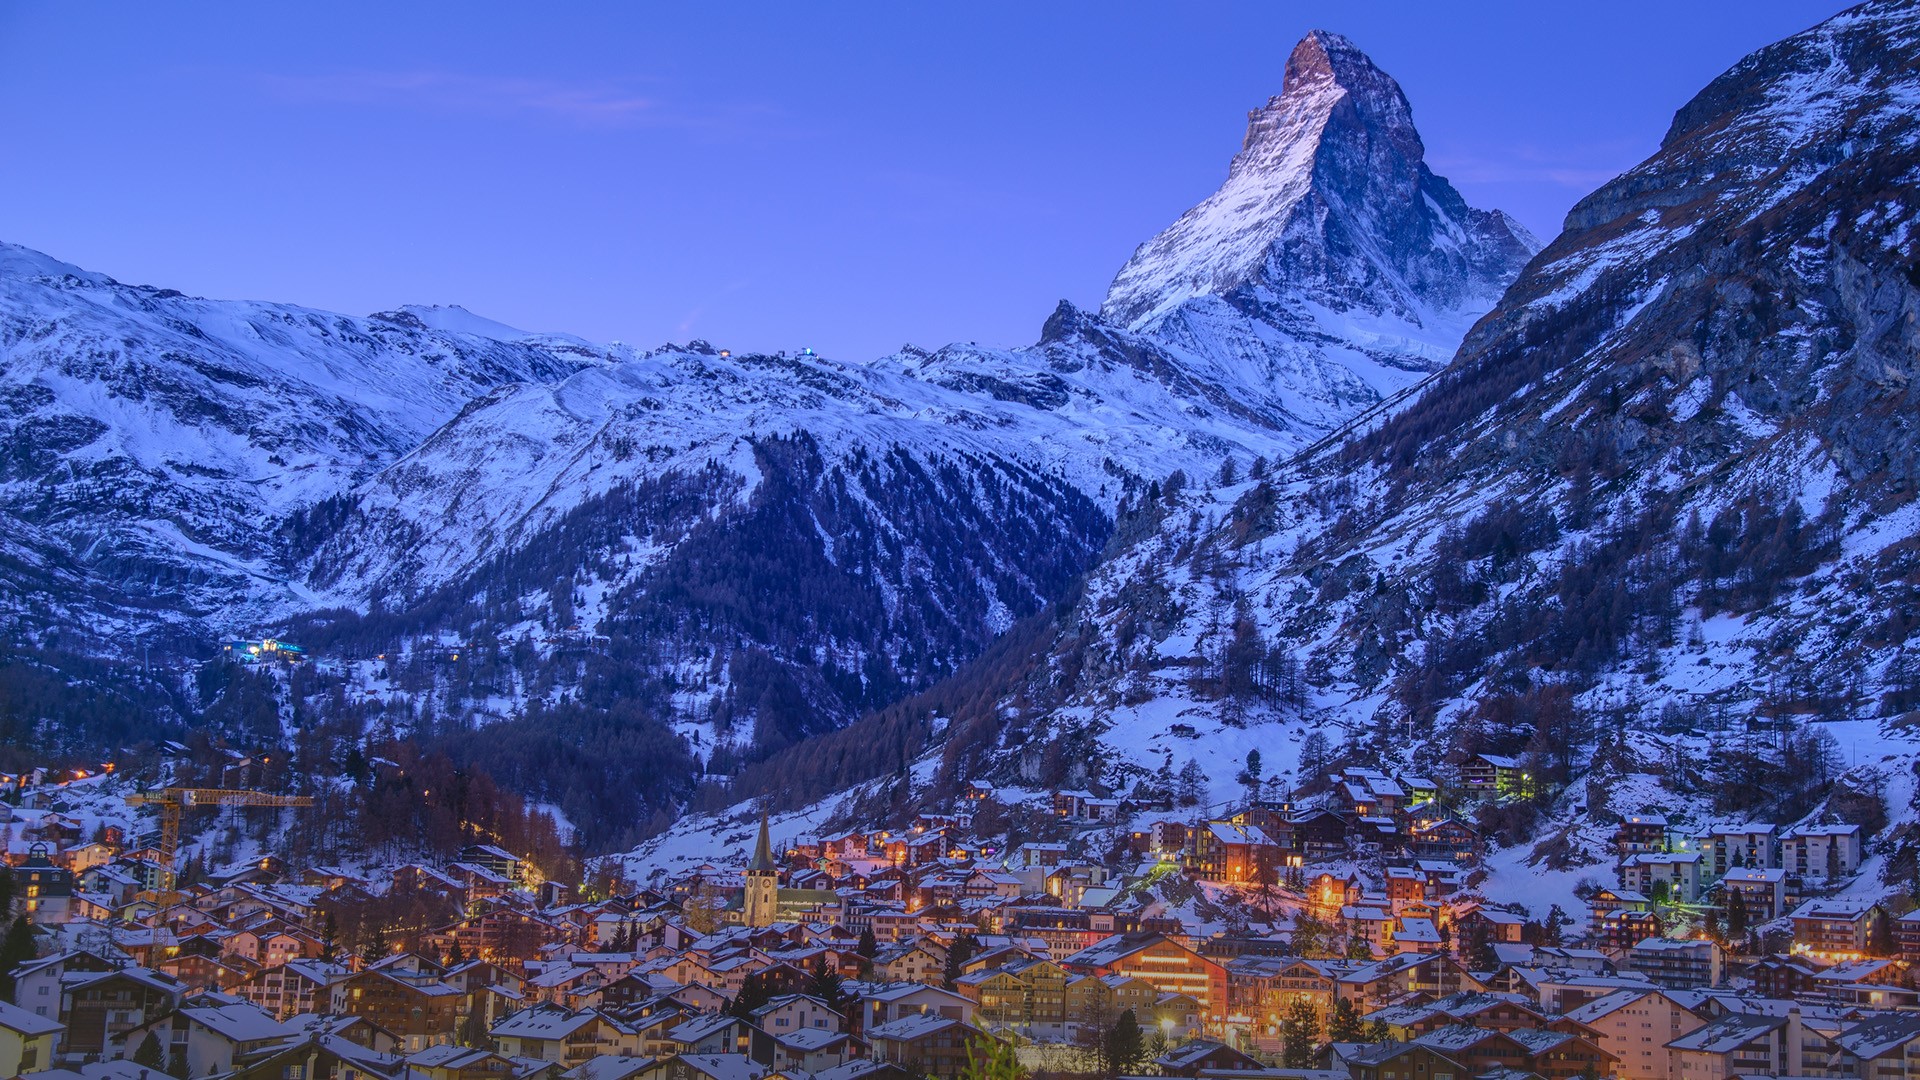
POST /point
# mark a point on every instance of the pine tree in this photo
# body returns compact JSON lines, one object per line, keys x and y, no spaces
{"x":15,"y":949}
{"x":1736,"y":915}
{"x":455,"y":954}
{"x":827,"y":986}
{"x":1880,"y":940}
{"x":374,"y":949}
{"x":989,"y":1058}
{"x":753,"y":994}
{"x":473,"y":1031}
{"x":1316,"y":756}
{"x":1377,"y":1031}
{"x":329,"y":939}
{"x":1125,"y":1043}
{"x":1343,"y":1024}
{"x":1300,"y":1030}
{"x":958,"y":954}
{"x":177,"y":1064}
{"x":149,"y":1055}
{"x":1479,"y":948}
{"x":1552,"y":933}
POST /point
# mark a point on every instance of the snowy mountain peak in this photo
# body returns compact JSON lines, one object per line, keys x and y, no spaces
{"x":1327,"y":68}
{"x":1329,"y":202}
{"x":25,"y":264}
{"x":451,"y":319}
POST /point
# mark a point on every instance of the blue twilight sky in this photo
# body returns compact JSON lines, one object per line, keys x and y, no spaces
{"x":843,"y":176}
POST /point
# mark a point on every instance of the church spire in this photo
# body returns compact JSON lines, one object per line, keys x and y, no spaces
{"x":763,"y":849}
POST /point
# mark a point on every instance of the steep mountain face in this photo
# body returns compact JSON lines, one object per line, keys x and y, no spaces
{"x":1653,"y":530}
{"x":1333,"y":267}
{"x":151,"y":439}
{"x":523,"y":542}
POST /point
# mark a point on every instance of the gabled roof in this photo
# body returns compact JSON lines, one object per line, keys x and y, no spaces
{"x":25,"y":1022}
{"x":609,"y":1067}
{"x":1727,"y":1033}
{"x":542,"y":1022}
{"x":914,"y":1026}
{"x":723,"y":1066}
{"x":239,"y":1021}
{"x":701,"y":1027}
{"x":1878,"y":1035}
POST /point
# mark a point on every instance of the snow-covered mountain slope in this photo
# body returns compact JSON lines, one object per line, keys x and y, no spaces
{"x":1654,"y":531}
{"x":1664,"y":494}
{"x":153,"y":440}
{"x":750,"y":549}
{"x":1332,"y":268}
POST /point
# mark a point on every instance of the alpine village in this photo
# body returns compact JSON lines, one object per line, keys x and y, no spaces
{"x":1375,"y":645}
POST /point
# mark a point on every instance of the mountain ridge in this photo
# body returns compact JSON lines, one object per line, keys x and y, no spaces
{"x":540,"y":523}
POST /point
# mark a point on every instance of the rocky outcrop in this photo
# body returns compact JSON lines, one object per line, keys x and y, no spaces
{"x":1333,"y":268}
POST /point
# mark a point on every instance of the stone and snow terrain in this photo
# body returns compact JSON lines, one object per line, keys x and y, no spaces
{"x":185,"y":470}
{"x":1637,"y":508}
{"x":1650,"y":530}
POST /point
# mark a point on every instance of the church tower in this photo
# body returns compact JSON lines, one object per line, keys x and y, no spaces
{"x":763,"y":882}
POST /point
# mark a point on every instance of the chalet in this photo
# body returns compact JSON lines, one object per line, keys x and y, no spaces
{"x":1783,"y":976}
{"x":1740,"y":1044}
{"x":1764,"y":892}
{"x":1371,"y":925}
{"x":1434,"y":974}
{"x":1320,"y":834}
{"x":1605,"y":902}
{"x":1820,"y":852}
{"x":323,"y":1057}
{"x":1168,"y":836}
{"x":214,"y":1039}
{"x":1261,"y":988}
{"x":422,"y":1013}
{"x":1554,"y":1055}
{"x":45,"y":890}
{"x":1836,"y":930}
{"x":795,"y":1012}
{"x":1675,"y":875}
{"x":1204,"y":1056}
{"x":1160,"y":960}
{"x":1679,"y":965}
{"x":1493,"y":774}
{"x":1881,"y":1046}
{"x":704,"y":1067}
{"x":1726,"y":847}
{"x":27,"y":1040}
{"x":1223,"y":851}
{"x":895,"y":1002}
{"x":1070,"y":804}
{"x":1638,"y":834}
{"x":1395,"y":1061}
{"x":560,"y":1035}
{"x":1619,"y":931}
{"x":1443,"y":838}
{"x":809,"y":1050}
{"x":928,"y":1045}
{"x":1499,"y":927}
{"x":1636,"y":1026}
{"x":462,"y":1063}
{"x":99,"y":1008}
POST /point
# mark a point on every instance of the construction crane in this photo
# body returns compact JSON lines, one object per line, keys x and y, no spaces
{"x":172,"y":801}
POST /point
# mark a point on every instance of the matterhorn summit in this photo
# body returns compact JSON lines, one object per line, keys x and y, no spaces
{"x":1330,"y":229}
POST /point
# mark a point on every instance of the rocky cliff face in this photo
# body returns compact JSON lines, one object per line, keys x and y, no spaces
{"x":747,"y":549}
{"x":1333,"y":267}
{"x":1653,"y":530}
{"x":149,"y":441}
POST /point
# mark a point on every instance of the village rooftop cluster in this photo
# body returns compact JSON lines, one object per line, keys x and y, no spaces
{"x":1344,"y":936}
